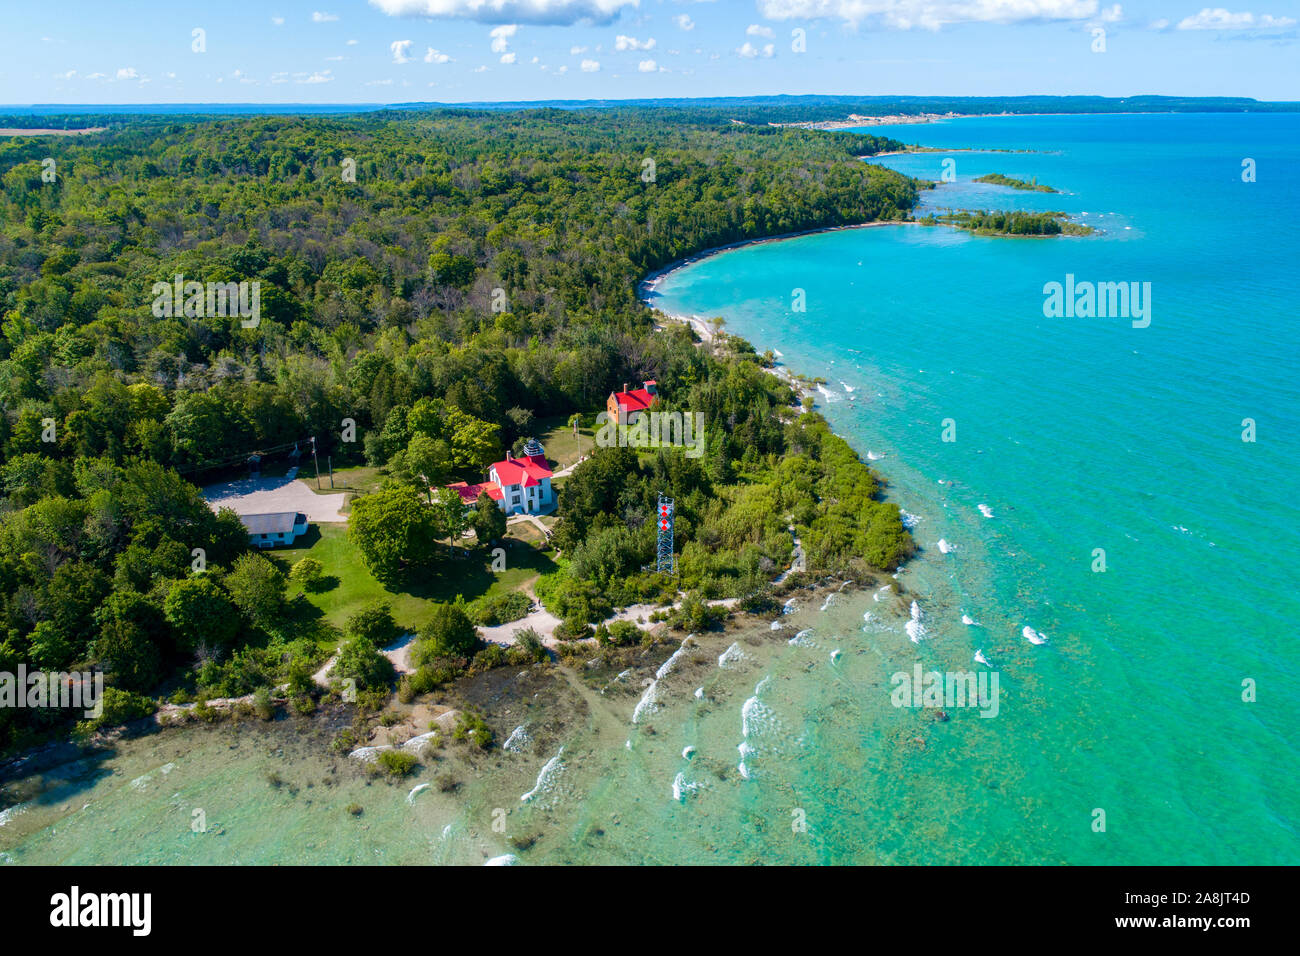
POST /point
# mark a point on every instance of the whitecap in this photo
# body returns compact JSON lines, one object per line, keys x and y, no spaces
{"x":734,"y":655}
{"x":668,"y":664}
{"x":985,"y":510}
{"x":981,"y":659}
{"x":418,"y":789}
{"x":547,"y":778}
{"x":518,"y":740}
{"x":945,"y":547}
{"x":508,"y":859}
{"x":681,"y":787}
{"x":1032,"y":636}
{"x":648,"y":704}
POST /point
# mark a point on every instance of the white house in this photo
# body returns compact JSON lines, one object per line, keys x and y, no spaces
{"x":525,"y":484}
{"x":280,"y":527}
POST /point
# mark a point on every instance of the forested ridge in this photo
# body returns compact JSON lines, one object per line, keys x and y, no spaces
{"x":478,"y":274}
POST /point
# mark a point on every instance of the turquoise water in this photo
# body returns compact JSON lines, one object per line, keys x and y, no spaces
{"x":780,"y":743}
{"x":1085,"y":433}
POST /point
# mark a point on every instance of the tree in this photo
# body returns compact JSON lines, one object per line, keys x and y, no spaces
{"x":448,"y":633}
{"x":427,"y":461}
{"x":375,"y":623}
{"x":257,"y":587}
{"x":201,"y":614}
{"x":393,"y":531}
{"x":362,"y":662}
{"x":449,"y":511}
{"x":489,"y":521}
{"x":307,"y":573}
{"x":130,"y":632}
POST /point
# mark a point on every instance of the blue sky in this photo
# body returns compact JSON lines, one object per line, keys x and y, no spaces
{"x":388,"y":51}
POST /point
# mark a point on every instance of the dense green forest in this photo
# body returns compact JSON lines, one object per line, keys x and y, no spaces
{"x":440,"y":280}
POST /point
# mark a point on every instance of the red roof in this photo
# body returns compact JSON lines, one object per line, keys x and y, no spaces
{"x":527,"y":470}
{"x":637,"y":400}
{"x":469,"y":493}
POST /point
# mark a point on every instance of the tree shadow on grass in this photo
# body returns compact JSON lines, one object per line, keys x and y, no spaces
{"x":468,"y":572}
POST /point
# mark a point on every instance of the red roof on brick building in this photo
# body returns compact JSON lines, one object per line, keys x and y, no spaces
{"x":637,"y":400}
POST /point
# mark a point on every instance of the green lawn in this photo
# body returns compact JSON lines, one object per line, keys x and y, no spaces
{"x":349,"y":586}
{"x":556,"y":437}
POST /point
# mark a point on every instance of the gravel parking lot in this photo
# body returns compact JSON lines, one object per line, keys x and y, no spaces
{"x":251,"y":496}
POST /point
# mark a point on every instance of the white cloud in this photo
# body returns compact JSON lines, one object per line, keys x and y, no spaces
{"x":319,"y":17}
{"x":433,"y":56}
{"x":65,"y":76}
{"x":480,"y":69}
{"x":928,"y":14}
{"x":352,"y":42}
{"x":1161,"y":24}
{"x":749,"y":51}
{"x":684,"y":21}
{"x":537,"y":12}
{"x":754,"y":30}
{"x":575,"y":50}
{"x":501,"y":36}
{"x":590,"y":66}
{"x":1221,"y":19}
{"x":281,"y":77}
{"x":647,"y":66}
{"x":321,"y":76}
{"x":335,"y":59}
{"x":278,"y":21}
{"x":632,"y":43}
{"x":128,"y":73}
{"x":378,"y":83}
{"x":1112,"y":14}
{"x":508,"y":57}
{"x":563,"y":69}
{"x":400,"y":50}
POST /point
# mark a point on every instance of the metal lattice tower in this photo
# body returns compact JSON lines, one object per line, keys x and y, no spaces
{"x":667,"y":561}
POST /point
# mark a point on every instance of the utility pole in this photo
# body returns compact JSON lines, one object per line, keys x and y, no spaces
{"x":315,"y":461}
{"x":329,"y":461}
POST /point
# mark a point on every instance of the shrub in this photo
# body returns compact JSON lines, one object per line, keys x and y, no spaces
{"x":619,"y":634}
{"x":362,"y":662}
{"x":397,"y":763}
{"x":405,"y":689}
{"x":345,"y":741}
{"x":262,"y":705}
{"x":494,"y":655}
{"x":500,"y":609}
{"x":449,"y":633}
{"x":471,"y":727}
{"x":120,"y":706}
{"x":307,"y":573}
{"x":375,"y":623}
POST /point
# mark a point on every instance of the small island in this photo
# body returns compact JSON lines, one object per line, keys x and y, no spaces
{"x":1011,"y":223}
{"x":997,"y":179}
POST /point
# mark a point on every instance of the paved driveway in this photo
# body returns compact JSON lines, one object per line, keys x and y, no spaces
{"x":251,"y":496}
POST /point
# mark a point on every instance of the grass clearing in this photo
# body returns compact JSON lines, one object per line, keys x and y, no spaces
{"x":348,"y":586}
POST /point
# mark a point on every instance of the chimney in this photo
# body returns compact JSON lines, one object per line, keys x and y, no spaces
{"x":509,"y":456}
{"x":625,"y":386}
